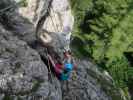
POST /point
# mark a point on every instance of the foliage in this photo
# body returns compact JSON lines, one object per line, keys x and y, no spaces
{"x":105,"y":27}
{"x":23,"y":3}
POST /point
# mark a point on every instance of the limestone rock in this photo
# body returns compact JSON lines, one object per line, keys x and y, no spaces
{"x":24,"y":70}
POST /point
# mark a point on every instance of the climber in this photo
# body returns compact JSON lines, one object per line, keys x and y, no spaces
{"x":54,"y":29}
{"x":63,"y":69}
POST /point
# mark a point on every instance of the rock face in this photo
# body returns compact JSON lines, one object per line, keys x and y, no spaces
{"x":57,"y":22}
{"x":23,"y":68}
{"x":22,"y":72}
{"x":89,"y":84}
{"x":34,"y":10}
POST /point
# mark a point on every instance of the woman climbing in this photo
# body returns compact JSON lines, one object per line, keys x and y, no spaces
{"x":57,"y":27}
{"x":63,"y":69}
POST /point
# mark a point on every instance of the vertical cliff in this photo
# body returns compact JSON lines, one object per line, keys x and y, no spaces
{"x":24,"y":71}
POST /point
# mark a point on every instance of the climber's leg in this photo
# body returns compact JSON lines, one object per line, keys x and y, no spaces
{"x":64,"y":76}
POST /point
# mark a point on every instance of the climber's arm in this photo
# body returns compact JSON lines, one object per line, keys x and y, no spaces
{"x":74,"y":64}
{"x":52,"y":62}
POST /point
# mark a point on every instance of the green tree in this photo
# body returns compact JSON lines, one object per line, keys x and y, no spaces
{"x":106,"y":29}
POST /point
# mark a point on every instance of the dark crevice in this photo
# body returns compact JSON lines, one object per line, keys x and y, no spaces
{"x":129,"y":56}
{"x":43,"y":54}
{"x":42,"y":20}
{"x":47,"y":63}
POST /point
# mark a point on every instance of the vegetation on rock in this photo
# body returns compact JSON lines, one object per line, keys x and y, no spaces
{"x":104,"y":31}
